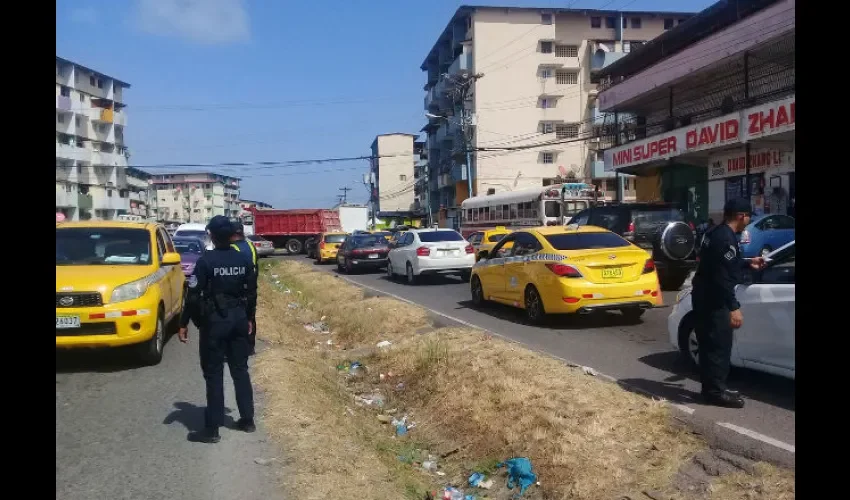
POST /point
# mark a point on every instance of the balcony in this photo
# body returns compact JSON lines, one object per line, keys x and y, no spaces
{"x":104,"y":115}
{"x":63,"y":103}
{"x":108,"y":159}
{"x":111,"y":203}
{"x":72,"y":152}
{"x":602,"y":59}
{"x":548,"y":60}
{"x":119,"y":118}
{"x":462,"y":64}
{"x":84,"y":201}
{"x":65,"y":198}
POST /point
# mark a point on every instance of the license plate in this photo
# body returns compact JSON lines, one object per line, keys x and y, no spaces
{"x":612,"y":272}
{"x":67,"y":322}
{"x":373,"y":256}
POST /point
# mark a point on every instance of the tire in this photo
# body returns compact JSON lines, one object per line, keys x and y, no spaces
{"x":672,"y":280}
{"x":390,"y":272}
{"x":339,"y":267}
{"x":150,"y":351}
{"x":632,"y":314}
{"x":477,"y":290}
{"x":534,"y":310}
{"x":465,"y":275}
{"x":766,"y":250}
{"x":411,"y":278}
{"x":348,"y":268}
{"x":688,"y":343}
{"x":294,"y":246}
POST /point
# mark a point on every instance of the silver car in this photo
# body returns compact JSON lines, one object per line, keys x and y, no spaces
{"x":264,"y":247}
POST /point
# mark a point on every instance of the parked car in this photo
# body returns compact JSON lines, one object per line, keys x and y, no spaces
{"x":328,"y":246}
{"x":567,"y":270}
{"x":430,"y":251}
{"x":484,"y":241}
{"x":117,"y":284}
{"x":362,"y":251}
{"x":190,"y":250}
{"x":766,"y":340}
{"x":766,"y":233}
{"x":194,"y":230}
{"x":263,"y":246}
{"x":658,"y":228}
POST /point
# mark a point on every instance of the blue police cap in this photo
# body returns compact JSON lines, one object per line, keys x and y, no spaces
{"x":737,"y":206}
{"x":220,"y":227}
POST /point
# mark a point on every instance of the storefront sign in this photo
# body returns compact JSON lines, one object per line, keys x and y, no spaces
{"x":761,"y":160}
{"x":752,"y":123}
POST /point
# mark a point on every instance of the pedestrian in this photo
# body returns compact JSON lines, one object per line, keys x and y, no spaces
{"x":222,"y":295}
{"x":716,"y":310}
{"x":241,"y":244}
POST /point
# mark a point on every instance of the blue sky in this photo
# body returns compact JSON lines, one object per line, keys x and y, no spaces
{"x":216,"y":81}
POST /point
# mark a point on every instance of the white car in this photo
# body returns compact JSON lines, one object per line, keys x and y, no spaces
{"x":430,"y":251}
{"x":766,"y":341}
{"x":194,"y":230}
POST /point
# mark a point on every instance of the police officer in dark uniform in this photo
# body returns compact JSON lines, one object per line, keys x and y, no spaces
{"x":221,"y":299}
{"x":717,"y":311}
{"x":241,"y":244}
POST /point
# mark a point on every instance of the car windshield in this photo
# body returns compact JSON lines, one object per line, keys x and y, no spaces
{"x":586,"y":241}
{"x":89,"y":246}
{"x":195,"y":233}
{"x":386,"y":235}
{"x":334,"y":238}
{"x":435,"y":236}
{"x":188,"y":247}
{"x":373,"y":240}
{"x":495,"y":238}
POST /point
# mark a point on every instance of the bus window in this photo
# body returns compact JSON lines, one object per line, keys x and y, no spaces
{"x":513,"y":211}
{"x":506,"y":211}
{"x":574,"y":207}
{"x":498,"y":212}
{"x":485,"y":215}
{"x":552,"y":208}
{"x":535,"y":210}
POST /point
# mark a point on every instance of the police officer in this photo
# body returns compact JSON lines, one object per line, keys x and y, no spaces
{"x":222,"y":297}
{"x":240,"y":244}
{"x":717,"y":311}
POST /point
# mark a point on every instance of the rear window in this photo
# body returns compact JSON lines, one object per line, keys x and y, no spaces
{"x":373,"y":240}
{"x":385,"y":234}
{"x":334,"y":238}
{"x":552,"y":209}
{"x":585,"y":241}
{"x":657,"y":216}
{"x":435,"y":236}
{"x":191,"y":233}
{"x":495,"y":238}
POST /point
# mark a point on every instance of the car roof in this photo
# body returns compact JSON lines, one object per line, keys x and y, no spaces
{"x":192,"y":227}
{"x":431,"y":230}
{"x":123,"y":224}
{"x":550,"y":230}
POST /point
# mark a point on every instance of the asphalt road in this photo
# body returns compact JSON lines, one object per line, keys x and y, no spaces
{"x":637,"y":355}
{"x":121,"y":432}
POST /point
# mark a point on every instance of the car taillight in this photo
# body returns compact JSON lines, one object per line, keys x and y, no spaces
{"x":564,"y":270}
{"x":322,"y":244}
{"x":631,"y":227}
{"x":469,"y":249}
{"x":423,"y":251}
{"x":745,"y":237}
{"x":649,"y":266}
{"x":691,"y":225}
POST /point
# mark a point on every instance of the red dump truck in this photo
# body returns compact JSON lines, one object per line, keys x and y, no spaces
{"x":290,"y":229}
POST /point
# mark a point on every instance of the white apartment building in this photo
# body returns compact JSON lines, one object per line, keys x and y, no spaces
{"x":139,"y":189}
{"x":528,"y":73}
{"x":392,"y":169}
{"x":194,"y":197}
{"x":91,"y":155}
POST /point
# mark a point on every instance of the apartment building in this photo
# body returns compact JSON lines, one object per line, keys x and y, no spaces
{"x":194,"y":197}
{"x":393,"y":173}
{"x":91,"y":155}
{"x":139,"y":192}
{"x":519,"y":81}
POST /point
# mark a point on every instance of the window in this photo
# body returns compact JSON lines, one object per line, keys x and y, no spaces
{"x":545,"y":73}
{"x":77,"y":121}
{"x":402,"y":177}
{"x":635,"y":23}
{"x":64,"y":91}
{"x":584,"y":241}
{"x":91,"y":246}
{"x":610,"y":22}
{"x":82,"y":97}
{"x":566,"y":51}
{"x":514,"y":211}
{"x":546,"y":47}
{"x":546,"y":18}
{"x":60,"y":118}
{"x":566,"y":77}
{"x":109,"y":193}
{"x":92,"y":81}
{"x":547,"y":128}
{"x":595,"y":22}
{"x":668,"y":24}
{"x":495,"y":238}
{"x":547,"y":103}
{"x":498,"y":212}
{"x":168,"y":243}
{"x":435,"y":236}
{"x":626,"y":183}
{"x":160,"y":245}
{"x":566,"y":131}
{"x":785,"y":222}
{"x":474,"y":238}
{"x":552,"y":208}
{"x":99,"y":83}
{"x":525,"y":244}
{"x":548,"y":158}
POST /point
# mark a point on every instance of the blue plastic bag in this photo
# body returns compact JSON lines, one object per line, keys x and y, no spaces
{"x":519,"y":473}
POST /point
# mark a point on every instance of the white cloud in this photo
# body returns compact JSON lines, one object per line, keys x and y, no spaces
{"x":202,"y":21}
{"x":84,"y":15}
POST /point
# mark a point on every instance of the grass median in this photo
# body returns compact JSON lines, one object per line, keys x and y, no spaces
{"x":475,"y":400}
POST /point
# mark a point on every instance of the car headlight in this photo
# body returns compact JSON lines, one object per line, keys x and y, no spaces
{"x":132,"y":290}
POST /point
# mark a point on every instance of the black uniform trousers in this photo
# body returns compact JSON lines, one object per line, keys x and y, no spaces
{"x":226,"y":337}
{"x":715,"y":335}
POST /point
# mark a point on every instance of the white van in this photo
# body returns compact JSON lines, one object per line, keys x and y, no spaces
{"x":194,"y":231}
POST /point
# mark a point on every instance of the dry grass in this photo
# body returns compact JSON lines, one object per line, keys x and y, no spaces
{"x":492,"y":399}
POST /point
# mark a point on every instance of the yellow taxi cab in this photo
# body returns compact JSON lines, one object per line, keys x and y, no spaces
{"x":328,"y":246}
{"x":117,"y":283}
{"x":484,"y":241}
{"x":567,"y":270}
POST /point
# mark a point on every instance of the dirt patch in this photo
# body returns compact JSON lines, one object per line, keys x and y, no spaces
{"x":473,"y":398}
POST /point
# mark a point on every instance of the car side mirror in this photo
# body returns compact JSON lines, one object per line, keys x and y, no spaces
{"x":171,"y":259}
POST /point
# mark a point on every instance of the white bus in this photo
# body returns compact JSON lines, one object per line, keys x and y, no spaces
{"x":543,"y":206}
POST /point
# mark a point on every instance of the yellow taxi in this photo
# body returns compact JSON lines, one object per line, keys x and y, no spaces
{"x":484,"y":241}
{"x":567,"y":270}
{"x":117,"y":283}
{"x":328,"y":246}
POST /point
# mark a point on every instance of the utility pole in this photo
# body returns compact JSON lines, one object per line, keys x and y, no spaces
{"x":467,"y":123}
{"x":344,"y":194}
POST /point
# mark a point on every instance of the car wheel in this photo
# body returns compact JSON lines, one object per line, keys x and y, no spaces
{"x":672,"y":280}
{"x":339,"y":267}
{"x":411,"y":278}
{"x":348,"y":268}
{"x":534,"y":310}
{"x":688,"y":343}
{"x":150,"y":351}
{"x":477,"y":290}
{"x":766,"y":250}
{"x":632,"y":314}
{"x":390,"y":272}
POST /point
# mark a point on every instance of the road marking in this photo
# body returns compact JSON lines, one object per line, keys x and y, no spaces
{"x":686,"y":409}
{"x":759,"y":437}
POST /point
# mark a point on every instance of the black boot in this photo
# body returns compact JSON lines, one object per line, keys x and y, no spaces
{"x":208,"y":436}
{"x":725,"y":399}
{"x":246,"y":425}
